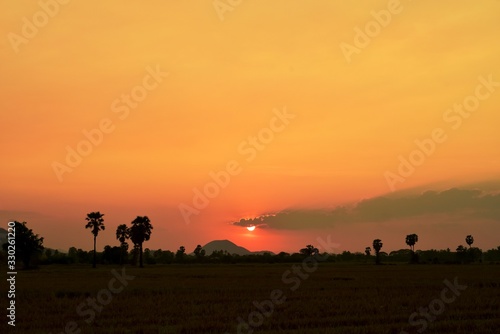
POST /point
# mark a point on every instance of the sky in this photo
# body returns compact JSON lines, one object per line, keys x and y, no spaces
{"x":350,"y":119}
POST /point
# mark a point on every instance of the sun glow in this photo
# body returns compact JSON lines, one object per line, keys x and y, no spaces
{"x":251,"y":228}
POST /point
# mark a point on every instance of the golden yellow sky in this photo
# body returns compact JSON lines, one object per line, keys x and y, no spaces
{"x":353,"y":118}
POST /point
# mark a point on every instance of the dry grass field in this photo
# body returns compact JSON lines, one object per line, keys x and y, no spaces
{"x":334,"y":298}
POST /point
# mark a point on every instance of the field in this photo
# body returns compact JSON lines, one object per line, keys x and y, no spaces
{"x":332,"y":298}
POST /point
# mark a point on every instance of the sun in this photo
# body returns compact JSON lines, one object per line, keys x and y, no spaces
{"x":251,"y":228}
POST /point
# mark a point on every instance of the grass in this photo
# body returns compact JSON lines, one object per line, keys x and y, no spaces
{"x":336,"y":298}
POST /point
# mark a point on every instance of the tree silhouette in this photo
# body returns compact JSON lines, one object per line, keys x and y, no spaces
{"x":140,"y":232}
{"x":461,"y":253}
{"x":122,"y":234}
{"x":474,"y":254}
{"x":469,"y":240}
{"x":134,"y":254}
{"x":309,"y":250}
{"x":27,"y":243}
{"x":179,"y":255}
{"x":377,"y":246}
{"x":112,"y":254}
{"x":199,"y":252}
{"x":148,"y":256}
{"x":96,"y":224}
{"x":73,"y":254}
{"x":368,"y":251}
{"x":411,"y":240}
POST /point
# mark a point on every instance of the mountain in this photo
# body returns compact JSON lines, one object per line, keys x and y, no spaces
{"x":230,"y":247}
{"x":225,"y":245}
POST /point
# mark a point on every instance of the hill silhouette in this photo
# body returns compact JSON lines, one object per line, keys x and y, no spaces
{"x":225,"y":245}
{"x":230,"y":247}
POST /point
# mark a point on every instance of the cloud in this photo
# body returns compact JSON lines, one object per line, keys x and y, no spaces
{"x":473,"y":204}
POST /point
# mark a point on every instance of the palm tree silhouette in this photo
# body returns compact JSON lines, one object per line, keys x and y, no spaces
{"x":411,"y":239}
{"x":140,"y":232}
{"x":377,"y":246}
{"x":122,"y":234}
{"x":96,"y":224}
{"x":469,"y":240}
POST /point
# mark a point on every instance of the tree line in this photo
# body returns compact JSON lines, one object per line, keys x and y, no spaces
{"x":29,"y":249}
{"x":462,"y":254}
{"x":138,"y":232}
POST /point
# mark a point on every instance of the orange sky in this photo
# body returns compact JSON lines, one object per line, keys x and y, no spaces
{"x":353,"y":116}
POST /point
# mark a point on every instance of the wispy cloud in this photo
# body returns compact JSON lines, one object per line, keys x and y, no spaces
{"x":468,"y":203}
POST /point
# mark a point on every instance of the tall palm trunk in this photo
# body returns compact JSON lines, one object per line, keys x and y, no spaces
{"x":140,"y":255}
{"x":94,"y":264}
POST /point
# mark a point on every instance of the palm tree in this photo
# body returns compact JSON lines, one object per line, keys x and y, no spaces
{"x":469,"y":240}
{"x":411,"y":240}
{"x":377,"y":246}
{"x":140,"y":232}
{"x":368,"y":251}
{"x":122,"y":234}
{"x":96,"y":223}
